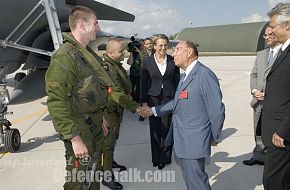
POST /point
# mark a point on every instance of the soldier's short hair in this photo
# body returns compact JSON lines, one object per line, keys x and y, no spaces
{"x":146,"y":39}
{"x":79,"y":13}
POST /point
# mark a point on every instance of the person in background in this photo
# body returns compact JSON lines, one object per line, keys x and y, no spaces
{"x":148,"y":50}
{"x":159,"y":80}
{"x":134,"y":60}
{"x":262,"y":66}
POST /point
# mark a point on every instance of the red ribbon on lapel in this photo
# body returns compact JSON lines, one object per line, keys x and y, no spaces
{"x":183,"y":94}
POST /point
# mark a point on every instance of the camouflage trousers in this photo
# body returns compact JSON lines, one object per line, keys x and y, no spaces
{"x":81,"y":173}
{"x":108,"y":144}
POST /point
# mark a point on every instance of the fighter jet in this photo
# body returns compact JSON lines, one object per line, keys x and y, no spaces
{"x":26,"y":37}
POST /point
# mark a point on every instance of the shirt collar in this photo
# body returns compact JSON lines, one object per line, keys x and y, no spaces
{"x":165,"y":60}
{"x":276,"y":49}
{"x":189,"y":68}
{"x":285,"y":45}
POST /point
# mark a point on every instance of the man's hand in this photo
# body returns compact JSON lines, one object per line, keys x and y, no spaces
{"x":105,"y":126}
{"x":144,"y":111}
{"x":214,"y":143}
{"x":277,"y":141}
{"x":259,"y":95}
{"x":79,"y":147}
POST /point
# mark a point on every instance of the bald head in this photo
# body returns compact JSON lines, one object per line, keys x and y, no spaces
{"x":115,"y":49}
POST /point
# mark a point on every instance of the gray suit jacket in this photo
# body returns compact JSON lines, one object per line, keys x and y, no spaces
{"x":198,"y":114}
{"x":258,"y":76}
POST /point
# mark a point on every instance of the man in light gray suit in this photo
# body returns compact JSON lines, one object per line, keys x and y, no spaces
{"x":263,"y":63}
{"x":198,"y":116}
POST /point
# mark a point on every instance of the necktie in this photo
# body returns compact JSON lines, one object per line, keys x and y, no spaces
{"x":181,"y":80}
{"x":279,"y":52}
{"x":184,"y":76}
{"x":270,"y":58}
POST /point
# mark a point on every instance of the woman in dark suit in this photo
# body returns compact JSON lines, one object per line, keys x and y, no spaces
{"x":159,"y":80}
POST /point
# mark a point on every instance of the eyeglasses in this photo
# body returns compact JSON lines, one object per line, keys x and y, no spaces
{"x":267,"y":35}
{"x":162,"y":45}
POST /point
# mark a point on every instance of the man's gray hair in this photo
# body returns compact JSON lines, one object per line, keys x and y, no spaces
{"x":282,"y":10}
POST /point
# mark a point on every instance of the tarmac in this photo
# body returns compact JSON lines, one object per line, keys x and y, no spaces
{"x":40,"y":164}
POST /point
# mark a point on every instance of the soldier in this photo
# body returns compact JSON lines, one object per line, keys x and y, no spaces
{"x":146,"y":52}
{"x":78,"y":89}
{"x":112,"y":62}
{"x":76,"y":97}
{"x":148,"y":49}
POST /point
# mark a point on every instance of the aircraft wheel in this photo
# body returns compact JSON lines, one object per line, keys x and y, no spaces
{"x":12,"y":140}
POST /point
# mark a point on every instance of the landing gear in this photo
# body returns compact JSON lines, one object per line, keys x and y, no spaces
{"x":8,"y":136}
{"x":12,"y":140}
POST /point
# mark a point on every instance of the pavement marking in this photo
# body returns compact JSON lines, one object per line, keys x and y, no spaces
{"x":21,"y":119}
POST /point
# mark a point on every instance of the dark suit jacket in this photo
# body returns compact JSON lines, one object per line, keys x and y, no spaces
{"x":152,"y":80}
{"x":276,"y":108}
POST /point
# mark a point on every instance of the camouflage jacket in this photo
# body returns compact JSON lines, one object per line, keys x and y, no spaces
{"x":76,"y":84}
{"x":122,"y":82}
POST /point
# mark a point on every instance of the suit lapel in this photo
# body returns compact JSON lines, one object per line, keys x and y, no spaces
{"x":154,"y":64}
{"x":156,"y":67}
{"x":184,"y":84}
{"x":168,"y":65}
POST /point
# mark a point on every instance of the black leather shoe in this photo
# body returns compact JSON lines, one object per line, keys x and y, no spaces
{"x":155,"y":164}
{"x":116,"y":165}
{"x":141,"y":118}
{"x":114,"y":185}
{"x":252,"y":161}
{"x":161,"y":166}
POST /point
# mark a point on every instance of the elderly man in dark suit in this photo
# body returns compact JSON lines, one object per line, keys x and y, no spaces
{"x":276,"y":108}
{"x":198,"y":116}
{"x":262,"y":66}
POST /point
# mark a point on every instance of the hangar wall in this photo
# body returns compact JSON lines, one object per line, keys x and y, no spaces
{"x":245,"y":38}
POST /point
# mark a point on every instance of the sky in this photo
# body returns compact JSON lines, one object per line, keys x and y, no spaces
{"x":171,"y":16}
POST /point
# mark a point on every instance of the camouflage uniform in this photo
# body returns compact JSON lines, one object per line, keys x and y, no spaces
{"x":143,"y":55}
{"x":135,"y":75}
{"x":115,"y":108}
{"x":77,"y":88}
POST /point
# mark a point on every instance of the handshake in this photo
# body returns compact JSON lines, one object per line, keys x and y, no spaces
{"x":144,"y":111}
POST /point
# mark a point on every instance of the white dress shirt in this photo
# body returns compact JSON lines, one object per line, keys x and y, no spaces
{"x":189,"y":68}
{"x":276,"y":49}
{"x":161,"y":66}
